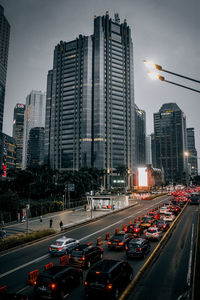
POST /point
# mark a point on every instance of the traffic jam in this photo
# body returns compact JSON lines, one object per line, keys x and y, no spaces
{"x":104,"y":268}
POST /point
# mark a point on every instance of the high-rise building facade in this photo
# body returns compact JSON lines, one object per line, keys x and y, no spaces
{"x":192,"y":152}
{"x":170,"y":142}
{"x":69,"y":106}
{"x":148,"y":150}
{"x":113,"y":96}
{"x":35,"y":152}
{"x":18,"y":132}
{"x":7,"y":153}
{"x":90,"y":113}
{"x":4,"y":45}
{"x":140,"y":136}
{"x":34,"y":117}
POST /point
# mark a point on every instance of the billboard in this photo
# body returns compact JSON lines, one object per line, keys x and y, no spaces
{"x":142,"y":177}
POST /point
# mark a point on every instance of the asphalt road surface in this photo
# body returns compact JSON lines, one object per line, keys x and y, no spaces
{"x":16,"y":264}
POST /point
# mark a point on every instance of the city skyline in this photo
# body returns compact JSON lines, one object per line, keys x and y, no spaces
{"x":163,"y":32}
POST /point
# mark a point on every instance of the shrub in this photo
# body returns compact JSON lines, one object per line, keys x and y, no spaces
{"x":20,"y":239}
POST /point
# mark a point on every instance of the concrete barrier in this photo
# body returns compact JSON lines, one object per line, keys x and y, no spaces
{"x":3,"y":290}
{"x":32,"y":277}
{"x":107,"y":236}
{"x":48,"y":266}
{"x":99,"y":241}
{"x":63,"y":260}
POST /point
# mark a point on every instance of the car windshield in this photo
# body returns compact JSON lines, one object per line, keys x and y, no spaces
{"x":43,"y":279}
{"x":117,"y":238}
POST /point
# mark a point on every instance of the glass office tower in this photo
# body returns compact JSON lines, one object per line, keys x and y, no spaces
{"x":18,"y":132}
{"x":170,"y":143}
{"x":34,"y":117}
{"x":90,"y":113}
{"x":113,"y":96}
{"x":68,"y":132}
{"x":4,"y":44}
{"x":192,"y":157}
{"x":140,"y":136}
{"x":35,"y":155}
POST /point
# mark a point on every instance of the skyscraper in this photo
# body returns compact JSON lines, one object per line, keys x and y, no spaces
{"x":7,"y":152}
{"x":4,"y":45}
{"x":170,"y":142}
{"x":148,"y":150}
{"x":90,"y":116}
{"x":18,"y":132}
{"x":192,"y":157}
{"x":68,"y":107}
{"x":35,"y":152}
{"x":140,"y":136}
{"x":34,"y":117}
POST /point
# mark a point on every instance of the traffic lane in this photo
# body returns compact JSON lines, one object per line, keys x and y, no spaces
{"x":167,"y":278}
{"x":17,"y":280}
{"x":100,"y":227}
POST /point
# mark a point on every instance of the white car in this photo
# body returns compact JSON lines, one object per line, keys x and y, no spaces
{"x":168,"y":217}
{"x":153,"y":233}
{"x":63,"y":245}
{"x":163,"y":209}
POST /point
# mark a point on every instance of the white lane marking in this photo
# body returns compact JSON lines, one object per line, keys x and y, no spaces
{"x":190,"y":259}
{"x":84,"y":238}
{"x":25,"y":265}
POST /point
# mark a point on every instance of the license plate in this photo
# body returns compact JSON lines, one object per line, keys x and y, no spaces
{"x":42,"y":288}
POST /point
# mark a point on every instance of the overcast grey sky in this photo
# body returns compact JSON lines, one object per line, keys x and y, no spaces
{"x":166,"y":32}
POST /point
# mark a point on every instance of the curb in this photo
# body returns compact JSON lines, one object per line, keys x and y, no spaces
{"x":151,"y":258}
{"x":69,"y":227}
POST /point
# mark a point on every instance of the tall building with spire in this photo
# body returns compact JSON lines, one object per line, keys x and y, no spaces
{"x":171,"y":143}
{"x":34,"y":117}
{"x":90,"y":112}
{"x":4,"y":45}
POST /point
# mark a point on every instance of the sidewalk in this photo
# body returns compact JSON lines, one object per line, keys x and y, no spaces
{"x":69,"y":217}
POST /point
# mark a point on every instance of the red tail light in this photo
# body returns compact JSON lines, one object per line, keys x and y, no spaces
{"x":126,"y":248}
{"x":140,"y":249}
{"x":121,"y":244}
{"x":86,"y":283}
{"x":82,"y":258}
{"x":109,"y":286}
{"x":101,"y":249}
{"x":109,"y":243}
{"x":136,"y":229}
{"x":60,"y":248}
{"x":53,"y":286}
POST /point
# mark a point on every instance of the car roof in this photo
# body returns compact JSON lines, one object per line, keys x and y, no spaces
{"x":55,"y":271}
{"x":105,"y":265}
{"x":63,"y":239}
{"x":137,"y":241}
{"x":83,"y":247}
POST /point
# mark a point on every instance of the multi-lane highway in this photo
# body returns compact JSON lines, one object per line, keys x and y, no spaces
{"x":16,"y":264}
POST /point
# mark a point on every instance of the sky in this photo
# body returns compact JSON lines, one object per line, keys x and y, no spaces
{"x":166,"y":32}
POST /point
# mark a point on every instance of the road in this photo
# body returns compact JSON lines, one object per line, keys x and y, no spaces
{"x":170,"y":278}
{"x":16,"y":264}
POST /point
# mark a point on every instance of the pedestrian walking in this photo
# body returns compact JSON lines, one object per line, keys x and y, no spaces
{"x":40,"y":218}
{"x":50,"y":223}
{"x":61,"y":224}
{"x":2,"y":233}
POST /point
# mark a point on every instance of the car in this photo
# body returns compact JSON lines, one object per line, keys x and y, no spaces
{"x":63,"y":245}
{"x":194,"y":199}
{"x":108,"y":278}
{"x":153,"y":233}
{"x":57,"y":282}
{"x":147,"y":222}
{"x":85,"y":255}
{"x":119,"y":240}
{"x":163,"y":209}
{"x":162,"y":225}
{"x":155,"y":215}
{"x":169,"y":217}
{"x":137,"y":247}
{"x":134,"y":229}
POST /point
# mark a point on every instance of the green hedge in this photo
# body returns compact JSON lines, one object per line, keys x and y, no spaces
{"x":20,"y":239}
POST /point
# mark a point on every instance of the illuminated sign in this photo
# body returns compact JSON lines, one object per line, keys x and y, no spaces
{"x":142,"y":177}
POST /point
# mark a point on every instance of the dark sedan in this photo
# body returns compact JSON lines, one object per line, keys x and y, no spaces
{"x":137,"y":248}
{"x":118,"y":241}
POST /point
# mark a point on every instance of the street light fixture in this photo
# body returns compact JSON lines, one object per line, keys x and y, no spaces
{"x":154,"y":75}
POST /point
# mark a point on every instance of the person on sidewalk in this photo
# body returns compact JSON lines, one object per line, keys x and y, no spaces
{"x":40,"y":218}
{"x":61,"y":224}
{"x":50,"y":223}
